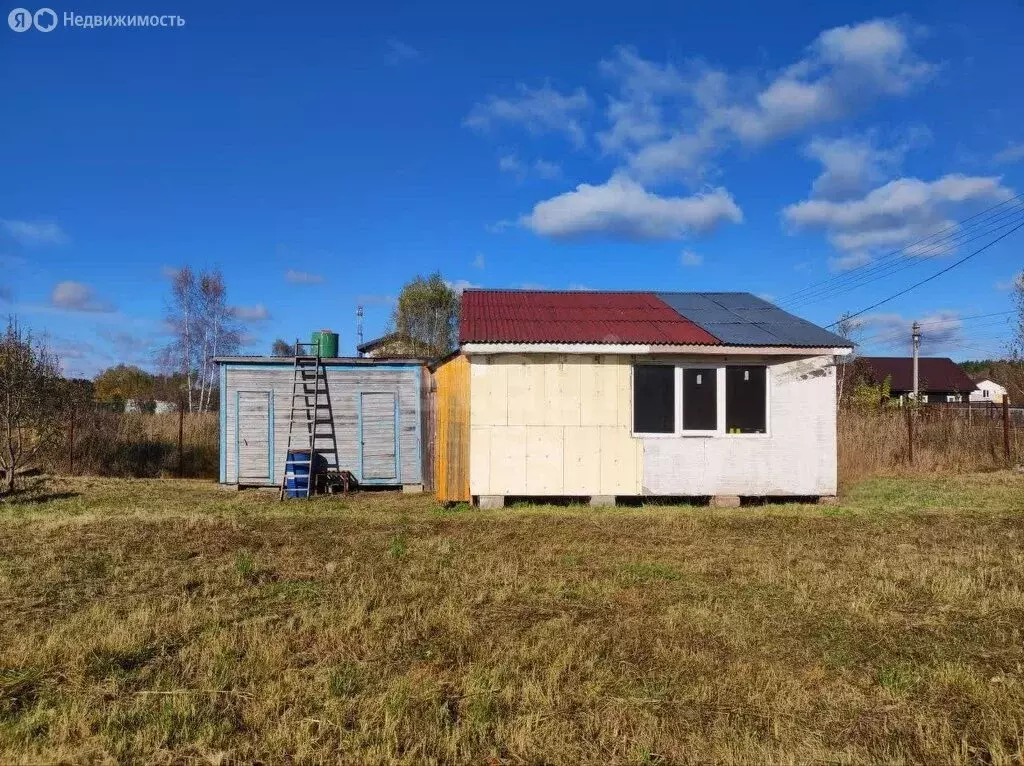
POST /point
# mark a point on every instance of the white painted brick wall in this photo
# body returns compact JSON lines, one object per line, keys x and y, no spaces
{"x":797,"y":457}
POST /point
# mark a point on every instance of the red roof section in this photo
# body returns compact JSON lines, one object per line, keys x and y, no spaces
{"x":523,"y":316}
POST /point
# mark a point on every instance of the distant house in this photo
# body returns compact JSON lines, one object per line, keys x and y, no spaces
{"x":393,"y":346}
{"x":988,"y":391}
{"x":940,"y":379}
{"x":607,"y":394}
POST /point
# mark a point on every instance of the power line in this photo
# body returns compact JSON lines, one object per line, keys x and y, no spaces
{"x":914,"y":257}
{"x":937,"y":274}
{"x":952,"y":322}
{"x":879,"y":262}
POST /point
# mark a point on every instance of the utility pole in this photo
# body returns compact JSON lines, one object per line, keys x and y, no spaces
{"x":359,"y":325}
{"x":915,"y":330}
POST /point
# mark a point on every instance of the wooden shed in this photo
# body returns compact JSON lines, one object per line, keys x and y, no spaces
{"x":376,"y":419}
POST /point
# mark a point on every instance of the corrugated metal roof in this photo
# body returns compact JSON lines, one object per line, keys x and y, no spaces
{"x":523,"y":316}
{"x":934,"y":373}
{"x":328,"y":361}
{"x":742,"y":319}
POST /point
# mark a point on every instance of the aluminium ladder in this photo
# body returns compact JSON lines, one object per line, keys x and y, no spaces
{"x":310,"y":407}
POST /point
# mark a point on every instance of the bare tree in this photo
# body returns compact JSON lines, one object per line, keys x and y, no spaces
{"x":31,"y":400}
{"x":222,"y":332}
{"x":203,"y":326}
{"x":845,"y":328}
{"x":1017,"y":344}
{"x":281,"y":347}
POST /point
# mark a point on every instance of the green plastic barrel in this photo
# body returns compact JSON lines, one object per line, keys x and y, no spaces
{"x":328,"y":342}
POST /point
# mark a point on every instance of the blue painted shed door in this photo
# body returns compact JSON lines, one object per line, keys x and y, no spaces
{"x":379,"y":436}
{"x":253,"y":436}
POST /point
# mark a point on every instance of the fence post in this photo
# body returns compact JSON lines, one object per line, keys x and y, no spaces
{"x":1006,"y":427}
{"x":71,"y":445}
{"x":910,"y":435}
{"x":181,"y":440}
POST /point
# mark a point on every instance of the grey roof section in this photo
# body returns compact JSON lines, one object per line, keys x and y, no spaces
{"x":742,"y":319}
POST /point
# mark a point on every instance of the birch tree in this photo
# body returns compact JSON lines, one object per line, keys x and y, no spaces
{"x":203,"y":327}
{"x":31,"y":400}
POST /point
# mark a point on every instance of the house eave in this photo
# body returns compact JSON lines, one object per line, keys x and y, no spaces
{"x":651,"y":349}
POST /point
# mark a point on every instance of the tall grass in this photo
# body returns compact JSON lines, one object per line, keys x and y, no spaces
{"x":171,"y":622}
{"x":136,"y":445}
{"x":875,"y":443}
{"x":871,"y":443}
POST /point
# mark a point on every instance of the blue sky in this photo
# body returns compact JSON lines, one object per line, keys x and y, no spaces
{"x":323,"y":157}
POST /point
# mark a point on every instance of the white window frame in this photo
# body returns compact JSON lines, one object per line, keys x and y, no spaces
{"x":719,"y":430}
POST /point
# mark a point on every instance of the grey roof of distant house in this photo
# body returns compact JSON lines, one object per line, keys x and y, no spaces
{"x":742,"y":319}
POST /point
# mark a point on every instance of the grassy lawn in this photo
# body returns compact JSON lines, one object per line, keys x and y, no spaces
{"x":172,"y":621}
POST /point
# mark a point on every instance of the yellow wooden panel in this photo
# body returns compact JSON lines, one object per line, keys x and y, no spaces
{"x":508,"y":461}
{"x":488,"y":393}
{"x":581,"y":461}
{"x":544,"y":460}
{"x":562,"y":390}
{"x":599,"y":384}
{"x":624,"y":394}
{"x":451,"y":435}
{"x":536,"y":404}
{"x":480,"y":460}
{"x":621,"y":462}
{"x":520,"y":376}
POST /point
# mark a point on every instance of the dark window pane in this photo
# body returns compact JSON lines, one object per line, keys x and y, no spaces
{"x":745,"y":403}
{"x":654,"y":399}
{"x":700,"y":399}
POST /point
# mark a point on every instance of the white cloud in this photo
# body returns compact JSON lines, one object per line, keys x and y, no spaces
{"x":256,"y":313}
{"x":77,"y":296}
{"x":35,"y":233}
{"x":376,"y":300}
{"x":460,"y":285}
{"x":1011,"y":283}
{"x":892,"y":215}
{"x":548,"y":170}
{"x":690,"y":258}
{"x":510,"y":163}
{"x":623,"y":208}
{"x":399,"y":52}
{"x":539,"y":111}
{"x":498,"y":226}
{"x":852,"y":165}
{"x":1012,"y":153}
{"x":479,"y":261}
{"x":577,"y":287}
{"x":169,"y":272}
{"x":669,"y":120}
{"x":939,"y":330}
{"x":296,"y":277}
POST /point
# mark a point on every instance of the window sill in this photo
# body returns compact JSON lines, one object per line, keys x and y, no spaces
{"x":700,"y":435}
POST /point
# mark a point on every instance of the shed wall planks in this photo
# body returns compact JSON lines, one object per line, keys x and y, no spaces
{"x":451,"y":397}
{"x":344,"y":385}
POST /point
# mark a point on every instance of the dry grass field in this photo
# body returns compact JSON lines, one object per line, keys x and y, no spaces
{"x":176,"y":622}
